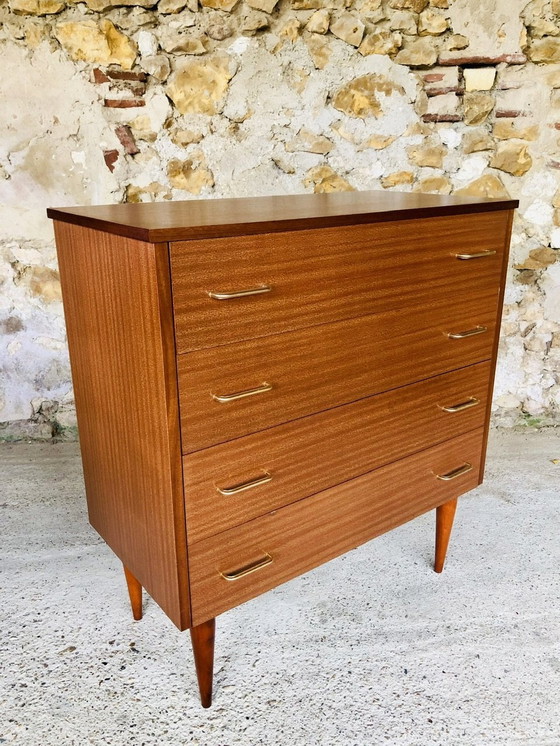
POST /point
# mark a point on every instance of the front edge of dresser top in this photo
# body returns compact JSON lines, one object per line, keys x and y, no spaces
{"x":208,"y":218}
{"x":117,"y":294}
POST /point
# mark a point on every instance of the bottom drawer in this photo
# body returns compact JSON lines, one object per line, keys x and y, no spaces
{"x":238,"y":564}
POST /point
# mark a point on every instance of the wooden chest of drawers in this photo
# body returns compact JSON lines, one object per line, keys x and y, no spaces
{"x":263,"y":384}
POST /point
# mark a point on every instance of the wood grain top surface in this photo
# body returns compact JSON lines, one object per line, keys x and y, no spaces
{"x":210,"y":218}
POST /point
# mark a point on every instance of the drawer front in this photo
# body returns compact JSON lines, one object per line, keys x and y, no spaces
{"x":303,"y":372}
{"x":312,"y":277}
{"x":232,"y":483}
{"x":294,"y":539}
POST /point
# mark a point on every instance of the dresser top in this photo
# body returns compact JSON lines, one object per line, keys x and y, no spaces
{"x":212,"y":218}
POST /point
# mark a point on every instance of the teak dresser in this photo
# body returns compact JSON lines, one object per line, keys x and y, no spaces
{"x":263,"y":384}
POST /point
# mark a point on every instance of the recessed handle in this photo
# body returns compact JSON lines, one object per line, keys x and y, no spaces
{"x":247,"y":569}
{"x":472,"y":401}
{"x":476,"y":255}
{"x":262,"y":389}
{"x":232,"y":295}
{"x":242,"y":486}
{"x":468,"y":332}
{"x":459,"y":471}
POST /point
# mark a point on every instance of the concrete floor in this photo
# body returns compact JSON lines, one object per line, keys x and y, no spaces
{"x":372,"y":648}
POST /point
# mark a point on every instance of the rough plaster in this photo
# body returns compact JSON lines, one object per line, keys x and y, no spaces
{"x":179,"y":100}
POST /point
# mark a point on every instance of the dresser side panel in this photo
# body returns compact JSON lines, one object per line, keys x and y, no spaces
{"x":117,"y":306}
{"x":494,"y":359}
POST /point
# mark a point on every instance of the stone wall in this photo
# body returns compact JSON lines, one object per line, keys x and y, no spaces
{"x":138,"y":100}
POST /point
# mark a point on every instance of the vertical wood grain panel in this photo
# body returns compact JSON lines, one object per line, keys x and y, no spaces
{"x":120,"y":334}
{"x":503,"y":279}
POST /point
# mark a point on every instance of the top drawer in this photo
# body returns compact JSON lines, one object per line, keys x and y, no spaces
{"x":232,"y":289}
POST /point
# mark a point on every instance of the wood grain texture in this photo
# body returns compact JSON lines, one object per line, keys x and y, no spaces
{"x":120,"y":334}
{"x":324,"y":366}
{"x":134,"y":594}
{"x":445,"y":515}
{"x":178,"y":221}
{"x":320,"y":276}
{"x":320,"y":451}
{"x":314,"y":530}
{"x":203,"y":638}
{"x":495,"y":349}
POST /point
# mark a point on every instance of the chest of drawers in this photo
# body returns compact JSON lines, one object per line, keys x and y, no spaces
{"x":263,"y":384}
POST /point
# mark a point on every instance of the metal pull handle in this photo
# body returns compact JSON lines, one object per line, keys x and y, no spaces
{"x":456,"y":472}
{"x":242,"y":486}
{"x":262,"y":389}
{"x":470,"y":402}
{"x":239,"y":293}
{"x":247,"y":569}
{"x":476,"y":255}
{"x":468,"y":332}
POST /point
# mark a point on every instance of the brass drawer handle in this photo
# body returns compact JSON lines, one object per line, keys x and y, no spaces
{"x":472,"y":401}
{"x":468,"y":332}
{"x":240,"y":293}
{"x":477,"y":255}
{"x":456,"y":472}
{"x":262,"y":389}
{"x":242,"y":486}
{"x":248,"y":569}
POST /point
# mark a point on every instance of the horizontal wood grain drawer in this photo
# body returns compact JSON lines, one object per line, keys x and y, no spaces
{"x":232,"y":483}
{"x":232,"y":289}
{"x":299,"y":373}
{"x":238,"y":564}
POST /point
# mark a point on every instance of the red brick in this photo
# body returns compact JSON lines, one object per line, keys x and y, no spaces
{"x":123,"y":103}
{"x":441,"y":91}
{"x":111,"y":157}
{"x":99,"y":76}
{"x":454,"y":59}
{"x":508,"y":113}
{"x":442,"y":117}
{"x":433,"y":77}
{"x":126,"y":75}
{"x":127,"y":140}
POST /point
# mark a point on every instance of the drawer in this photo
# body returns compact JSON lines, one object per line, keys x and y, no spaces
{"x":312,"y":277}
{"x":294,"y":539}
{"x":232,"y":483}
{"x":303,"y":372}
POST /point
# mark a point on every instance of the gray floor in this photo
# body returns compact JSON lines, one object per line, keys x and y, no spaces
{"x":373,"y":648}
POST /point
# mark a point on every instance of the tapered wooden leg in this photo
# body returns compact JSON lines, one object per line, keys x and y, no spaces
{"x":135,"y":593}
{"x":444,"y":523}
{"x":202,"y":638}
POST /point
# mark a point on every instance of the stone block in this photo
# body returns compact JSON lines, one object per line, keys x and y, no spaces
{"x":100,"y":43}
{"x":512,"y":157}
{"x":397,"y":178}
{"x":418,"y":53}
{"x":37,"y":7}
{"x":359,"y":98}
{"x":324,"y":179}
{"x":430,"y":156}
{"x":319,"y":21}
{"x":349,"y":28}
{"x":199,"y":87}
{"x":431,"y":23}
{"x":479,"y":78}
{"x":477,"y":107}
{"x":487,"y":186}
